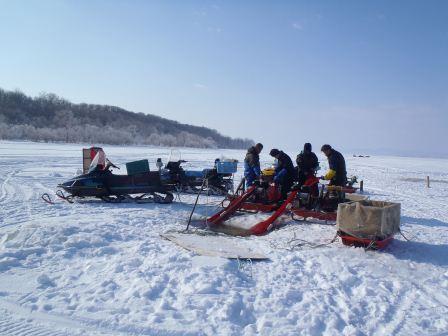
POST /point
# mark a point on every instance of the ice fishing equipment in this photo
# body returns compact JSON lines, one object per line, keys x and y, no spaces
{"x":307,"y":201}
{"x":196,"y":203}
{"x":368,"y":223}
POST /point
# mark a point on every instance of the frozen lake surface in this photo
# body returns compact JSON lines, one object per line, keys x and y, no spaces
{"x":94,"y":268}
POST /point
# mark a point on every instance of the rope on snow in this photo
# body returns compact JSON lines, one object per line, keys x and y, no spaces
{"x":296,"y":243}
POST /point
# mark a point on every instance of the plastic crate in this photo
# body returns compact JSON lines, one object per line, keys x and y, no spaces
{"x":226,"y":167}
{"x":137,"y":167}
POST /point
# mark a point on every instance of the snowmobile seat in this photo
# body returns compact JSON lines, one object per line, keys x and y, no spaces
{"x":147,"y":178}
{"x":194,"y":173}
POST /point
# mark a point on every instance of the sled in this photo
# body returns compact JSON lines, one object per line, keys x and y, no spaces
{"x":214,"y":246}
{"x":327,"y":216}
{"x":216,"y":222}
{"x":319,"y":215}
{"x":317,"y":203}
{"x":251,"y":206}
{"x":219,"y":178}
{"x":231,"y":208}
{"x":269,"y":223}
{"x":368,"y":223}
{"x":346,"y":189}
{"x":375,"y":244}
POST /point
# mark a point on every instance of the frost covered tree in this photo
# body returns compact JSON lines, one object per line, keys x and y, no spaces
{"x":52,"y":118}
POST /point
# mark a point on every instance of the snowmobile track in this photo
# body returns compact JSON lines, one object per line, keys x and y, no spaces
{"x":24,"y":328}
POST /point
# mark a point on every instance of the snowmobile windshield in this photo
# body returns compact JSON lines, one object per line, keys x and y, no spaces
{"x":98,"y":162}
{"x":175,"y":155}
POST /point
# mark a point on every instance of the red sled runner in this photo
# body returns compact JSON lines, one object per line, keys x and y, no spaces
{"x":240,"y":202}
{"x":304,"y":202}
{"x":375,"y":244}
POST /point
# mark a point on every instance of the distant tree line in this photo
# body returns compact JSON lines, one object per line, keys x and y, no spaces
{"x":53,"y":119}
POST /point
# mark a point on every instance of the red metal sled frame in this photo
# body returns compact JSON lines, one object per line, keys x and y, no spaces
{"x":255,"y":207}
{"x":349,"y":240}
{"x":304,"y":213}
{"x":267,"y":224}
{"x":233,"y":206}
{"x":347,"y":190}
{"x":238,"y":203}
{"x":251,"y":206}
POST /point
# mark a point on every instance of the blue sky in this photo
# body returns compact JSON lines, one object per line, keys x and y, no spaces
{"x":369,"y":76}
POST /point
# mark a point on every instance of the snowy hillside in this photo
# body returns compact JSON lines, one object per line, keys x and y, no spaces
{"x":50,"y":118}
{"x":93,"y":268}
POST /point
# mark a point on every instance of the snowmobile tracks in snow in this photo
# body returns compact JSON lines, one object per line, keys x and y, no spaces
{"x":22,"y":327}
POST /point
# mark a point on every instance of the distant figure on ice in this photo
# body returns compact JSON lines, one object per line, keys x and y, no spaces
{"x":252,"y":169}
{"x":284,"y":172}
{"x":307,"y":163}
{"x":337,"y":173}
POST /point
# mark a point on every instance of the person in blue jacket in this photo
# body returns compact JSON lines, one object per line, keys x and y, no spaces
{"x":252,"y":171}
{"x":284,"y":172}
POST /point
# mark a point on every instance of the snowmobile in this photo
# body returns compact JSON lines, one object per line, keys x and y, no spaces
{"x":310,"y":200}
{"x":214,"y":181}
{"x":140,"y":185}
{"x":98,"y":181}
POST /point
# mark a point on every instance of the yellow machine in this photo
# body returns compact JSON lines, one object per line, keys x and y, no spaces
{"x":268,"y":171}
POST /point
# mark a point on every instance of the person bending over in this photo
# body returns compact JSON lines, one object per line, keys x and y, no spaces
{"x":307,"y":163}
{"x":252,"y":169}
{"x":337,"y":174}
{"x":284,"y":172}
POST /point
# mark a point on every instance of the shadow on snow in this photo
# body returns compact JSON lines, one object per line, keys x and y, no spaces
{"x":420,"y":252}
{"x":431,"y":222}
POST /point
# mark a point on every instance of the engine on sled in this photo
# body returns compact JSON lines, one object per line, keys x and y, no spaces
{"x":319,"y":201}
{"x":213,"y":181}
{"x":265,"y":197}
{"x":312,"y":199}
{"x":308,"y":200}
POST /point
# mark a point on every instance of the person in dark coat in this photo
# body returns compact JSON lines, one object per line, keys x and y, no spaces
{"x":284,"y":172}
{"x":337,"y":173}
{"x":252,"y":169}
{"x":307,"y":163}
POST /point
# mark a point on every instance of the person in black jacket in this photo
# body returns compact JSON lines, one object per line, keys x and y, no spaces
{"x":307,"y":163}
{"x":337,"y":173}
{"x":284,"y":172}
{"x":252,"y":169}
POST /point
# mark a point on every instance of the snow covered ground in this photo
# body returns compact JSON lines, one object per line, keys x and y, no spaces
{"x":102,"y":269}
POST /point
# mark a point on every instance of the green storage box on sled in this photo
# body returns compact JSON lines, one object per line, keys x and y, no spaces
{"x":137,"y":167}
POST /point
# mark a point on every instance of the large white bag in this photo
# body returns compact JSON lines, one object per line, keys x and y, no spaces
{"x":369,"y":219}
